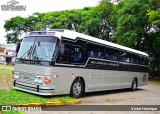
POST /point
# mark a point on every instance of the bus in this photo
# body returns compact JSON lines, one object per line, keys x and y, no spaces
{"x":60,"y":61}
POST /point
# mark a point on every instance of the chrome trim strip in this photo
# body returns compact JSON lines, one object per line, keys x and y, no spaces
{"x":98,"y":59}
{"x":29,"y":91}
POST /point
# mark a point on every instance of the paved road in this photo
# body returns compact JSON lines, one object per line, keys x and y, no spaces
{"x":145,"y":95}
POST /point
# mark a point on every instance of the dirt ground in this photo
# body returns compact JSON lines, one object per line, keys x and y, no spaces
{"x":145,"y":95}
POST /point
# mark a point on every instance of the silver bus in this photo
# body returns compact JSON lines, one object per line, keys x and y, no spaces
{"x":60,"y":61}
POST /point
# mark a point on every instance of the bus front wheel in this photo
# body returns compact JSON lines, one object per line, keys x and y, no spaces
{"x":134,"y":84}
{"x":77,"y":88}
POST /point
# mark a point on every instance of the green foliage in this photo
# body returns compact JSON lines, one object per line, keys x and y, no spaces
{"x":91,"y":21}
{"x":99,"y":21}
{"x":138,"y":27}
{"x":154,"y":17}
{"x":14,"y":27}
{"x":132,"y":23}
{"x":153,"y":43}
{"x":13,"y":112}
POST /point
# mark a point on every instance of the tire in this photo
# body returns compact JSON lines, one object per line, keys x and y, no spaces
{"x":134,"y":84}
{"x":77,"y":88}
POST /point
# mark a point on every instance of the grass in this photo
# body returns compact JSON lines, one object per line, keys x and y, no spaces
{"x":10,"y":96}
{"x":12,"y":112}
{"x":13,"y":97}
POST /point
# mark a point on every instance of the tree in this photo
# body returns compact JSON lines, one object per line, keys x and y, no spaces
{"x":138,"y":27}
{"x":153,"y":44}
{"x":98,"y":21}
{"x":132,"y":23}
{"x":14,"y":27}
{"x":69,"y":19}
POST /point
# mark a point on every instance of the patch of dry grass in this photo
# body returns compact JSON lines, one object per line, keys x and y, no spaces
{"x":5,"y":79}
{"x":154,"y":81}
{"x":112,"y":100}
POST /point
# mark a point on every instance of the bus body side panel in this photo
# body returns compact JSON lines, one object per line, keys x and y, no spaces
{"x":97,"y":80}
{"x":63,"y":77}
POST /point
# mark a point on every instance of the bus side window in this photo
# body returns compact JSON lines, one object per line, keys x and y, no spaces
{"x":96,"y":54}
{"x":91,"y":54}
{"x":116,"y":55}
{"x":141,"y":60}
{"x":125,"y":57}
{"x":135,"y":59}
{"x":77,"y":55}
{"x":91,"y":51}
{"x":146,"y":62}
{"x":110,"y":54}
{"x":107,"y":54}
{"x":63,"y":54}
{"x":95,"y":51}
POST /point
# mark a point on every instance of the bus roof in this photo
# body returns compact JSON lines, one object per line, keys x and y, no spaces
{"x":73,"y":35}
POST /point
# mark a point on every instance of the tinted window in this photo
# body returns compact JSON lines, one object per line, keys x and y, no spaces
{"x":71,"y":53}
{"x":141,"y":60}
{"x":111,"y":54}
{"x":95,"y":51}
{"x":135,"y":59}
{"x":146,"y":62}
{"x":77,"y":55}
{"x":125,"y":57}
{"x":64,"y":54}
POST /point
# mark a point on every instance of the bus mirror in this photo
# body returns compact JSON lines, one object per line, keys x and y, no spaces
{"x":18,"y":46}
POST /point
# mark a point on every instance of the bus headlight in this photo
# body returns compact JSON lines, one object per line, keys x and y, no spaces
{"x":16,"y":75}
{"x":38,"y":79}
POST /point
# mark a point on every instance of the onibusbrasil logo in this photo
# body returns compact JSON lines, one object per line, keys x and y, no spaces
{"x":13,"y":6}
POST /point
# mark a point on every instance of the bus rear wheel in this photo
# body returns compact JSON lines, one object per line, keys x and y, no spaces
{"x":134,"y":84}
{"x":77,"y":88}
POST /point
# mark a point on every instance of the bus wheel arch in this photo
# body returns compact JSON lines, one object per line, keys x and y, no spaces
{"x":134,"y":84}
{"x":80,"y":81}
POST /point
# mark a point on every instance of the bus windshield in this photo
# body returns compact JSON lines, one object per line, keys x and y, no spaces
{"x":37,"y":48}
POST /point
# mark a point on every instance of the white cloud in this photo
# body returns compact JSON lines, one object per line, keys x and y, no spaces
{"x":41,"y":6}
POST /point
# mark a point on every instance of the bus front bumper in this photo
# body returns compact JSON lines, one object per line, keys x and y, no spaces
{"x":35,"y":89}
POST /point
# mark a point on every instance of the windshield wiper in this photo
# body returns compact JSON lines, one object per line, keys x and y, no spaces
{"x":27,"y":52}
{"x":34,"y":55}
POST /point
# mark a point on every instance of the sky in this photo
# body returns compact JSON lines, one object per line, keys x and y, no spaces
{"x":40,"y":6}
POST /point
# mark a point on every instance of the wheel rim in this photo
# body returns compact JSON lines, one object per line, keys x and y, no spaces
{"x":134,"y":84}
{"x":77,"y":88}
